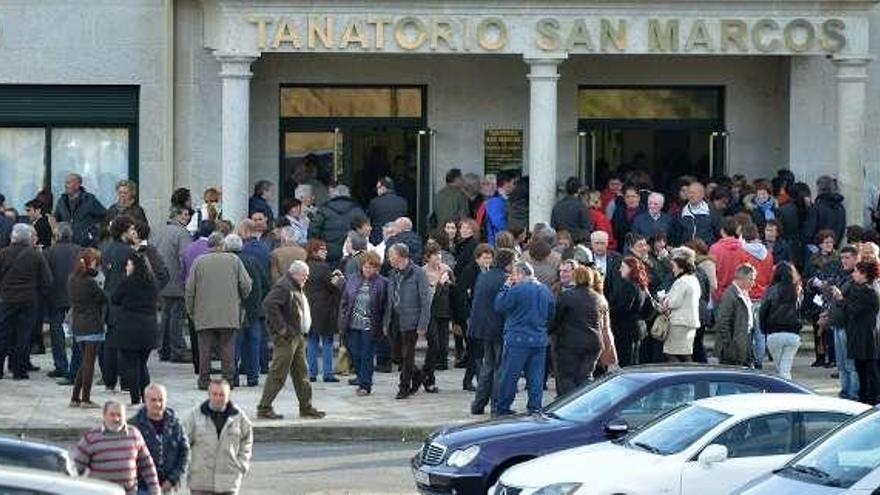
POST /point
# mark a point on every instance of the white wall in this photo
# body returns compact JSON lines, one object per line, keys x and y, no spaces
{"x":100,"y":42}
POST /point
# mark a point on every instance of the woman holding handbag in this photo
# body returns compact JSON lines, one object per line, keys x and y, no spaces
{"x":682,"y":305}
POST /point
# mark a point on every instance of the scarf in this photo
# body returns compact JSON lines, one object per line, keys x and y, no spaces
{"x":701,"y":208}
{"x":766,"y":207}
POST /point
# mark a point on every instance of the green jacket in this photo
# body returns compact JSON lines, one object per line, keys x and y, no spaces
{"x":450,"y":204}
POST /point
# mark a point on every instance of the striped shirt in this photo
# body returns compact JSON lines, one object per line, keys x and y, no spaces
{"x":117,"y":457}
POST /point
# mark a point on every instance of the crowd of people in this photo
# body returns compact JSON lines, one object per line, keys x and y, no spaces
{"x":621,"y":276}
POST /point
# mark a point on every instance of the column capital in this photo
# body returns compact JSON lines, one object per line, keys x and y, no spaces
{"x":235,"y":65}
{"x":543,"y":67}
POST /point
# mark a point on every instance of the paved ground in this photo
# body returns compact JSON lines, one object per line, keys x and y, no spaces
{"x":38,"y":407}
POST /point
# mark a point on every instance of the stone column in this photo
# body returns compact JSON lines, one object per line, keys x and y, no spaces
{"x":852,"y":82}
{"x":235,"y":72}
{"x":542,"y":77}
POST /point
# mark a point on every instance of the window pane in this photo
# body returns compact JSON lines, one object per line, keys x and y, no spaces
{"x":731,"y":388}
{"x":22,"y":167}
{"x":671,"y":103}
{"x":99,"y":155}
{"x":657,"y":402}
{"x":817,"y":424}
{"x":764,"y":435}
{"x":351,"y":102}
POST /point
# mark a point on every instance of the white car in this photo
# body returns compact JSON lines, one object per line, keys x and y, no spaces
{"x":711,"y":446}
{"x":31,"y":481}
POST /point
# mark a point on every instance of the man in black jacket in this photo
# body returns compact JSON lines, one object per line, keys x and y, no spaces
{"x":165,"y":438}
{"x":82,"y":209}
{"x":25,"y":278}
{"x":386,"y":207}
{"x":571,"y":214}
{"x":333,"y":221}
{"x":827,"y":212}
{"x":62,"y":258}
{"x":697,"y":219}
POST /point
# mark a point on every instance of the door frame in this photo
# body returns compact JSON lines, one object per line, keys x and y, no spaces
{"x":346,"y":125}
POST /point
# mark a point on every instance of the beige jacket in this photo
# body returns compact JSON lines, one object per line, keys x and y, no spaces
{"x":683,"y":301}
{"x":280,"y":260}
{"x":217,"y":284}
{"x":218,"y":464}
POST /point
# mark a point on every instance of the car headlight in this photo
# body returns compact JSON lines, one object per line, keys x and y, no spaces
{"x":461,"y":458}
{"x":559,"y":489}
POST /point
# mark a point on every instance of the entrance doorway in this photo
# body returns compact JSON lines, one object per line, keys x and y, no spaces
{"x":664,"y":132}
{"x":354,"y":136}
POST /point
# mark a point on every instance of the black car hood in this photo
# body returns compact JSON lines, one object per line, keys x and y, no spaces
{"x":498,"y":430}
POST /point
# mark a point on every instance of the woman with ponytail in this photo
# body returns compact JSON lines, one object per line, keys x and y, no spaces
{"x":87,"y":305}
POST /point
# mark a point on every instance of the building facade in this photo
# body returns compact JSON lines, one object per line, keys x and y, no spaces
{"x":228,"y":92}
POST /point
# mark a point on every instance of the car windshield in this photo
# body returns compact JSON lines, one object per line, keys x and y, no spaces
{"x":843,"y":458}
{"x":675,"y":431}
{"x":594,"y":399}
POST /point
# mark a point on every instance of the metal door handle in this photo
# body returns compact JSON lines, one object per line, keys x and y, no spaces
{"x":712,"y":137}
{"x":593,"y":159}
{"x":336,"y":132}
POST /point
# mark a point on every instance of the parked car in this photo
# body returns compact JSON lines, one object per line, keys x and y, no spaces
{"x":846,"y":461}
{"x":15,"y":452}
{"x":468,"y":459}
{"x":15,"y":481}
{"x":709,"y":446}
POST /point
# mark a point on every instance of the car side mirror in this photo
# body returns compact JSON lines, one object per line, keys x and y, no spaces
{"x":713,"y":454}
{"x":616,"y":428}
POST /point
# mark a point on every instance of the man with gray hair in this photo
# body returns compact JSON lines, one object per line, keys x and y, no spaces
{"x":333,"y":221}
{"x":654,"y":219}
{"x":171,"y":240}
{"x":289,"y":318}
{"x":249,"y":338}
{"x":82,"y":209}
{"x":62,"y":258}
{"x":527,"y":306}
{"x":25,"y":279}
{"x":164,"y":437}
{"x":410,"y":296}
{"x":735,"y":318}
{"x":217,"y":284}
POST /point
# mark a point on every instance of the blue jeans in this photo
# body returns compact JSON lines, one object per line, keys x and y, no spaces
{"x":759,"y":340}
{"x":361,"y":346}
{"x":846,"y":367}
{"x":56,"y":336}
{"x":247,"y":351}
{"x":326,"y":344}
{"x":264,"y":347}
{"x":515,"y":360}
{"x":75,"y":362}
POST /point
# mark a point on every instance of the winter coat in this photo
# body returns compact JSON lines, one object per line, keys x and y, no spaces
{"x":87,"y":305}
{"x":259,"y":250}
{"x":114,"y":256}
{"x":412,"y":241}
{"x":600,"y":222}
{"x":733,"y":343}
{"x":383,"y":209}
{"x":171,"y":240}
{"x":25,"y":277}
{"x":215,"y":289}
{"x":464,"y":254}
{"x":332,"y":223}
{"x":450,"y":203}
{"x":496,"y":217}
{"x":136,"y":326}
{"x":217,"y":464}
{"x":170,"y":450}
{"x":789,"y":220}
{"x":759,"y":257}
{"x":612,"y":272}
{"x":157,"y":266}
{"x":283,"y":313}
{"x":778,"y":313}
{"x":281,"y":258}
{"x":571,"y":214}
{"x":576,"y":324}
{"x":44,"y":231}
{"x":645,"y":224}
{"x":683,"y":301}
{"x":827,"y":212}
{"x":378,"y":304}
{"x":728,"y":254}
{"x":630,"y":307}
{"x":706,"y":227}
{"x":134,"y":211}
{"x":623,"y":224}
{"x":861,"y":303}
{"x":197,"y":248}
{"x":259,"y":204}
{"x":62,"y":259}
{"x":253,"y":303}
{"x":824,"y":266}
{"x":85,"y":215}
{"x":547,"y":269}
{"x":5,"y":230}
{"x":758,"y":217}
{"x":527,"y":308}
{"x":323,"y":297}
{"x":410,"y":296}
{"x":518,"y":205}
{"x":781,"y":250}
{"x":486,"y":323}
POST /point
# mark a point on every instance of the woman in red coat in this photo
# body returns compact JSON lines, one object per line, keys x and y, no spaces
{"x":598,"y":219}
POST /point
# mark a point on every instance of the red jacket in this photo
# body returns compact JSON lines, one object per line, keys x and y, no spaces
{"x":729,"y":254}
{"x":759,"y":257}
{"x":600,"y":222}
{"x":606,"y":196}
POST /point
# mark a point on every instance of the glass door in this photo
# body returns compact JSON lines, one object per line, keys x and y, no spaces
{"x":313,"y":158}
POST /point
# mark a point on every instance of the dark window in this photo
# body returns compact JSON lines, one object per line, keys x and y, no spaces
{"x":731,"y":388}
{"x":656,"y":402}
{"x":817,"y":424}
{"x":772,"y":434}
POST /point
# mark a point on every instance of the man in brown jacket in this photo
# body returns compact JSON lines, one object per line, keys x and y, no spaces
{"x":284,"y":255}
{"x":217,"y":284}
{"x":289,"y":319}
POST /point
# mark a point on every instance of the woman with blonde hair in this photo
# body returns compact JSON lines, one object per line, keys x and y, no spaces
{"x":576,"y":329}
{"x":608,"y":357}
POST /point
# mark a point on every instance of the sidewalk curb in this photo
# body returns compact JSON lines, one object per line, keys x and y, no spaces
{"x":267,"y":433}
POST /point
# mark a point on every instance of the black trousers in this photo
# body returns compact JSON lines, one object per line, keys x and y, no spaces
{"x":869,"y":379}
{"x":110,"y":365}
{"x":699,"y":353}
{"x":441,"y":329}
{"x":474,"y":360}
{"x":16,"y":332}
{"x":411,"y":377}
{"x":628,"y":348}
{"x":134,"y":369}
{"x":574,"y":367}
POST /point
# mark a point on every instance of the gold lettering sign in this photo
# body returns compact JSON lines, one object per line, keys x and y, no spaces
{"x":483,"y":34}
{"x":662,"y":37}
{"x":502,"y":150}
{"x":403,"y":39}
